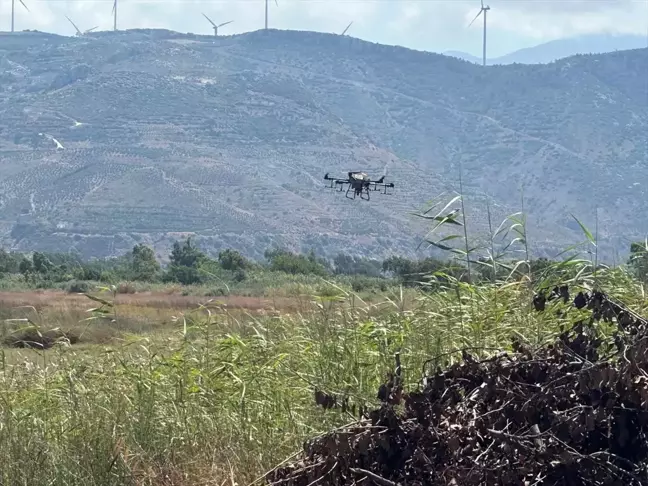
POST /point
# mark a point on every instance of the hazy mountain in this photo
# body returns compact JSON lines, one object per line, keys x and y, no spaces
{"x":467,"y":57}
{"x":147,"y":135}
{"x":561,"y":48}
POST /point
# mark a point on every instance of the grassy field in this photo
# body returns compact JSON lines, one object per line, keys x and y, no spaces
{"x":146,"y":312}
{"x":171,"y":389}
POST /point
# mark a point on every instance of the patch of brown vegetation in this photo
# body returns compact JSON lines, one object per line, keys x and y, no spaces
{"x":139,"y":313}
{"x":157,"y":300}
{"x":32,"y":338}
{"x":574,"y":413}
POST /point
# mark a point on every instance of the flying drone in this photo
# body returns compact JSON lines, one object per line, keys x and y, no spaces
{"x":360,"y":184}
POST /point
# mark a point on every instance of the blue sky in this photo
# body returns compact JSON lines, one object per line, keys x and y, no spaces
{"x":432,"y":25}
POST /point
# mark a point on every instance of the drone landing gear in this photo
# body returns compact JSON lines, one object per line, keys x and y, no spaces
{"x":361,"y":193}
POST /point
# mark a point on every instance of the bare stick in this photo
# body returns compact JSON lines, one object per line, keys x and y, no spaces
{"x":374,"y":477}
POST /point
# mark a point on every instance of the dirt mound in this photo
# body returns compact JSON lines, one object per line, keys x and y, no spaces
{"x":574,"y":413}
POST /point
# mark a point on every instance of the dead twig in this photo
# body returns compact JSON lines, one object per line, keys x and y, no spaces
{"x":374,"y":477}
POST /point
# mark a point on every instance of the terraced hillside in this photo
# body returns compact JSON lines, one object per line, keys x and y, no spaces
{"x":115,"y":138}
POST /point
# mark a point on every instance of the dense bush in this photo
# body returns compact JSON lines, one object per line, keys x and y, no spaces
{"x":288,"y":262}
{"x":78,"y":287}
{"x":232,"y":260}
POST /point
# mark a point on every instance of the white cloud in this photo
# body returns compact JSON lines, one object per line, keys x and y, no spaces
{"x":422,"y":24}
{"x":550,"y":19}
{"x":411,"y":12}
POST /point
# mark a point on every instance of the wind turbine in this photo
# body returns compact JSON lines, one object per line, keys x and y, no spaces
{"x":216,"y":27}
{"x":13,"y":11}
{"x":484,"y":10}
{"x":345,"y":30}
{"x":114,"y":12}
{"x":78,"y":32}
{"x":266,"y":13}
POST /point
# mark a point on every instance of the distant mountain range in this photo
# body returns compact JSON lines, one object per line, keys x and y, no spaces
{"x":146,"y":136}
{"x":561,"y":48}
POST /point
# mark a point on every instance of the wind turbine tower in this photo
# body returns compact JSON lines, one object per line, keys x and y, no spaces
{"x":484,"y":9}
{"x":13,"y":11}
{"x":266,"y":13}
{"x":114,"y":11}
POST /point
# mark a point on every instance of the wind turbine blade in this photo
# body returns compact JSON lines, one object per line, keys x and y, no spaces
{"x":73,"y":24}
{"x":476,"y":17}
{"x":90,"y":30}
{"x":210,"y":20}
{"x":23,"y":4}
{"x":348,"y":26}
{"x":226,"y":23}
{"x":482,"y":4}
{"x":113,"y":7}
{"x":276,"y":3}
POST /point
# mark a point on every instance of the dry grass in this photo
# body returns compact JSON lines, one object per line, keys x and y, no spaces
{"x":140,"y":314}
{"x":144,"y":313}
{"x":181,"y":396}
{"x":59,"y":300}
{"x":220,"y":398}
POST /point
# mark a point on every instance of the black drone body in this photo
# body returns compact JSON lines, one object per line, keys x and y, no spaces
{"x":360,"y":184}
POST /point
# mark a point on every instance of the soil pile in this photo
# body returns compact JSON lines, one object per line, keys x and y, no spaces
{"x":574,"y":413}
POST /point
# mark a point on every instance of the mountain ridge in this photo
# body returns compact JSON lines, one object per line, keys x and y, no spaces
{"x":229,"y":138}
{"x":553,"y":50}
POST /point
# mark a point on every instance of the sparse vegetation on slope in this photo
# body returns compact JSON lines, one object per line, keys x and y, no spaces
{"x":165,"y":133}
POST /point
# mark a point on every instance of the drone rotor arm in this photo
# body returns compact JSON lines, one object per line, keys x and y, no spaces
{"x":383,"y":185}
{"x":329,"y":178}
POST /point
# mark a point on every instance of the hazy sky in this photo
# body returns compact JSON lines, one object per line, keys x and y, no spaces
{"x":433,"y":25}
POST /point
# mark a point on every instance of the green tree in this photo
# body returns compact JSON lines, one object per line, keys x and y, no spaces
{"x":87,"y":272}
{"x":184,"y":266}
{"x":399,"y":267}
{"x":9,"y":262}
{"x":349,"y":265}
{"x":145,"y":266}
{"x":232,"y":260}
{"x":26,"y":267}
{"x":186,"y":254}
{"x":413,"y":272}
{"x":41,"y":263}
{"x":288,"y":262}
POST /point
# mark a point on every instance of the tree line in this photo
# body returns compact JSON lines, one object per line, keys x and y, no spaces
{"x":189,"y":265}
